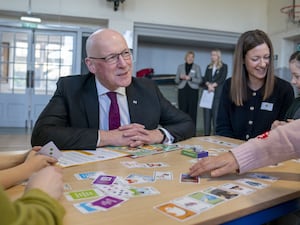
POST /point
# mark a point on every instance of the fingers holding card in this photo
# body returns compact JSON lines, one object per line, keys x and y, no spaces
{"x":50,"y":149}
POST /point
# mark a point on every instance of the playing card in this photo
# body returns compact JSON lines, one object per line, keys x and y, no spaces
{"x":252,"y":183}
{"x":104,"y":180}
{"x":87,"y":207}
{"x":85,"y":175}
{"x":207,"y":198}
{"x":131,"y":164}
{"x":116,"y":190}
{"x":143,"y":191}
{"x":137,"y":178}
{"x":107,"y":202}
{"x":222,"y":193}
{"x":191,"y":204}
{"x":156,"y":164}
{"x":238,"y":188}
{"x":175,"y":211}
{"x":186,"y":178}
{"x":163,"y":175}
{"x":50,"y":149}
{"x":82,"y":195}
{"x":262,"y":177}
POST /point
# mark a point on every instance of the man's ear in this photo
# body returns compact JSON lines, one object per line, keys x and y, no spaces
{"x":90,"y":65}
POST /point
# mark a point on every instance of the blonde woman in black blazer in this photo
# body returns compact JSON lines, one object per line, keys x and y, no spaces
{"x":215,"y":75}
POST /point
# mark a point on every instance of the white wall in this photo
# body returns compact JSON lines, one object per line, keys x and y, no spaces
{"x":227,"y":15}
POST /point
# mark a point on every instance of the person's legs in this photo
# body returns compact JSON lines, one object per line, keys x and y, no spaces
{"x":214,"y":114}
{"x":207,"y":121}
{"x":182,"y":103}
{"x":192,"y":101}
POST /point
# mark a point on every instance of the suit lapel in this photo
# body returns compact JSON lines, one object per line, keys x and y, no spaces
{"x":133,"y":103}
{"x":88,"y":100}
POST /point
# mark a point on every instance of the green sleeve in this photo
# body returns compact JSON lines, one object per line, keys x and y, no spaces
{"x":34,"y":208}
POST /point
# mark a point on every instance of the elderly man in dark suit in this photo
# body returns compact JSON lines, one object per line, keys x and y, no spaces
{"x":77,"y":115}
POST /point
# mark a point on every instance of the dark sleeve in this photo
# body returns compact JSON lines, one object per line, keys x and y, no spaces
{"x":294,"y":107}
{"x":222,"y":75}
{"x":54,"y":124}
{"x":287,"y":98}
{"x":154,"y":110}
{"x":224,"y":126}
{"x":204,"y":79}
{"x":178,"y":123}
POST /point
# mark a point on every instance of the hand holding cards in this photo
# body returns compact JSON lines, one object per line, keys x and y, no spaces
{"x":50,"y":149}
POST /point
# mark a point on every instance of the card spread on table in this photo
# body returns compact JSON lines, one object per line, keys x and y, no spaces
{"x":50,"y":149}
{"x":262,"y":177}
{"x":191,"y":204}
{"x":85,"y":175}
{"x":87,"y":207}
{"x":222,"y":193}
{"x":252,"y":183}
{"x":105,"y":180}
{"x":84,"y":194}
{"x":107,"y":202}
{"x":237,"y":188}
{"x":175,"y":211}
{"x":163,"y":175}
{"x":186,"y":178}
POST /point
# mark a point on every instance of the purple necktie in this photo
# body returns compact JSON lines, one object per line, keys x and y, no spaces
{"x":114,"y":114}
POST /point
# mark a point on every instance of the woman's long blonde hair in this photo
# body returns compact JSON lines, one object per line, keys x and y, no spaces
{"x":219,"y":63}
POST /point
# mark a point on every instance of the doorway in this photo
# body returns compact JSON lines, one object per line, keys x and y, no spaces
{"x":31,"y":62}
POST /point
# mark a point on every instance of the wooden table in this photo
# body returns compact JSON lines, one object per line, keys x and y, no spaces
{"x":282,"y":194}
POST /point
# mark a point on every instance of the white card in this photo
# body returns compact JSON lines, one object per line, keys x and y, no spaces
{"x":50,"y":149}
{"x":238,"y":188}
{"x":252,"y":183}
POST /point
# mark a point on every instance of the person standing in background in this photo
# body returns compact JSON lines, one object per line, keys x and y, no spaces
{"x":213,"y":80}
{"x":293,"y":113}
{"x":253,"y":98}
{"x":188,"y":78}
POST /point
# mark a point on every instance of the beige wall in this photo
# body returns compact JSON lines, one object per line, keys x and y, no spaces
{"x":220,"y":15}
{"x":227,"y":15}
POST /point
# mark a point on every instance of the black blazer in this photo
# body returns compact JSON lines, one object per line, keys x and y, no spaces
{"x":219,"y":78}
{"x":71,"y":118}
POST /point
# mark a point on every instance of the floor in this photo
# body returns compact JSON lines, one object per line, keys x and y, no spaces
{"x":14,"y":139}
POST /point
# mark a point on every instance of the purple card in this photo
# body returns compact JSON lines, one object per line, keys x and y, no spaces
{"x":104,"y":179}
{"x":107,"y":202}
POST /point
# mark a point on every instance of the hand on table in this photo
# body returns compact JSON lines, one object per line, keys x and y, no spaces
{"x":216,"y":165}
{"x":132,"y":135}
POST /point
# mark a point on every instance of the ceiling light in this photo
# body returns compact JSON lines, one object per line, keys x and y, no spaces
{"x":31,"y":19}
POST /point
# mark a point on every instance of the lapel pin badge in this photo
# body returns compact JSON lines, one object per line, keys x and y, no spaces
{"x":134,"y":101}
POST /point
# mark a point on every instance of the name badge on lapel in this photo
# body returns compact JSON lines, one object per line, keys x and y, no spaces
{"x":266,"y":106}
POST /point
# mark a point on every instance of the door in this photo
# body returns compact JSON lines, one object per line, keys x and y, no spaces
{"x":31,"y":63}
